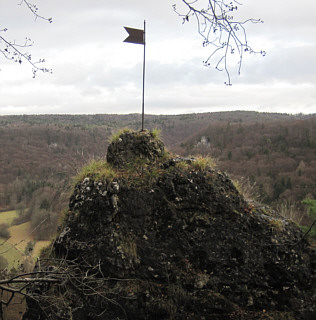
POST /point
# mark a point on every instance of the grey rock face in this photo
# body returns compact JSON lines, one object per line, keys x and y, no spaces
{"x":178,"y":242}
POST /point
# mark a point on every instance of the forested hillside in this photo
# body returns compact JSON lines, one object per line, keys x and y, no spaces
{"x":274,"y":153}
{"x":279,"y":156}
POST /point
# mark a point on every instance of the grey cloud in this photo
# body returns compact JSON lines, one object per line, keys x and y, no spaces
{"x":293,"y":65}
{"x":92,"y":67}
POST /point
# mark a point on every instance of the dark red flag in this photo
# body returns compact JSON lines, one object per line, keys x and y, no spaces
{"x":135,"y":36}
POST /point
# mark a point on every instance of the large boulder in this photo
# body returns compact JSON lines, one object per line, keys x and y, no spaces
{"x":170,"y":238}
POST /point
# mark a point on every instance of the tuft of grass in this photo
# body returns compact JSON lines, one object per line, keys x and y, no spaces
{"x":140,"y":173}
{"x":276,"y":224}
{"x":99,"y":170}
{"x":115,"y":136}
{"x":182,"y":165}
{"x":202,"y":163}
{"x":156,"y":133}
{"x":138,"y":166}
{"x":247,"y":188}
{"x":291,"y":210}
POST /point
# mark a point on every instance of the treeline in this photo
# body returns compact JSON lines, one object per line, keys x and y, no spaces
{"x":113,"y":120}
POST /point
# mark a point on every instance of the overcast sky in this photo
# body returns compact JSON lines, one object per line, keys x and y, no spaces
{"x":94,"y":71}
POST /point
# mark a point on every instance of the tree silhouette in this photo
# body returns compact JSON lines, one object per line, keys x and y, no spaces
{"x":220,"y":30}
{"x":18,"y":51}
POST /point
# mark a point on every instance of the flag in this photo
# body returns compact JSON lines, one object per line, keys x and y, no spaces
{"x":135,"y":36}
{"x":138,"y":36}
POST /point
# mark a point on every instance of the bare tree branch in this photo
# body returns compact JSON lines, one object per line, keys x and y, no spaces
{"x":70,"y":276}
{"x":16,"y":52}
{"x":34,"y":9}
{"x":218,"y":28}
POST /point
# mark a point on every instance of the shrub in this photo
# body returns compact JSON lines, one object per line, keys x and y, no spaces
{"x":247,"y":188}
{"x":4,"y":231}
{"x":29,"y":248}
{"x":291,"y":210}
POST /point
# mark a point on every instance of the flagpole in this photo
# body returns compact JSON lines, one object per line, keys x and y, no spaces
{"x":138,"y":36}
{"x":143,"y":100}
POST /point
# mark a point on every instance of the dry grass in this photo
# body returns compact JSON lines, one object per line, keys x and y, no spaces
{"x":202,"y":163}
{"x":248,"y":189}
{"x":13,"y":249}
{"x":98,"y":169}
{"x":21,"y":235}
{"x":10,"y":253}
{"x":8,"y":216}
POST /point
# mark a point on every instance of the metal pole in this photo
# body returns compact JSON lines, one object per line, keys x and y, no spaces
{"x":143,"y":102}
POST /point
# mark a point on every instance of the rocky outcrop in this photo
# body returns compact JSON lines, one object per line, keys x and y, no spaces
{"x":131,"y":148}
{"x":167,"y":238}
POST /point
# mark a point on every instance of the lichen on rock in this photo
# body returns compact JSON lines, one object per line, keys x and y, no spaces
{"x":173,"y":241}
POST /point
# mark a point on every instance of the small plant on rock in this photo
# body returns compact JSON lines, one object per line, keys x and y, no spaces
{"x":97,"y":169}
{"x":202,"y":163}
{"x":115,"y":136}
{"x":156,"y":133}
